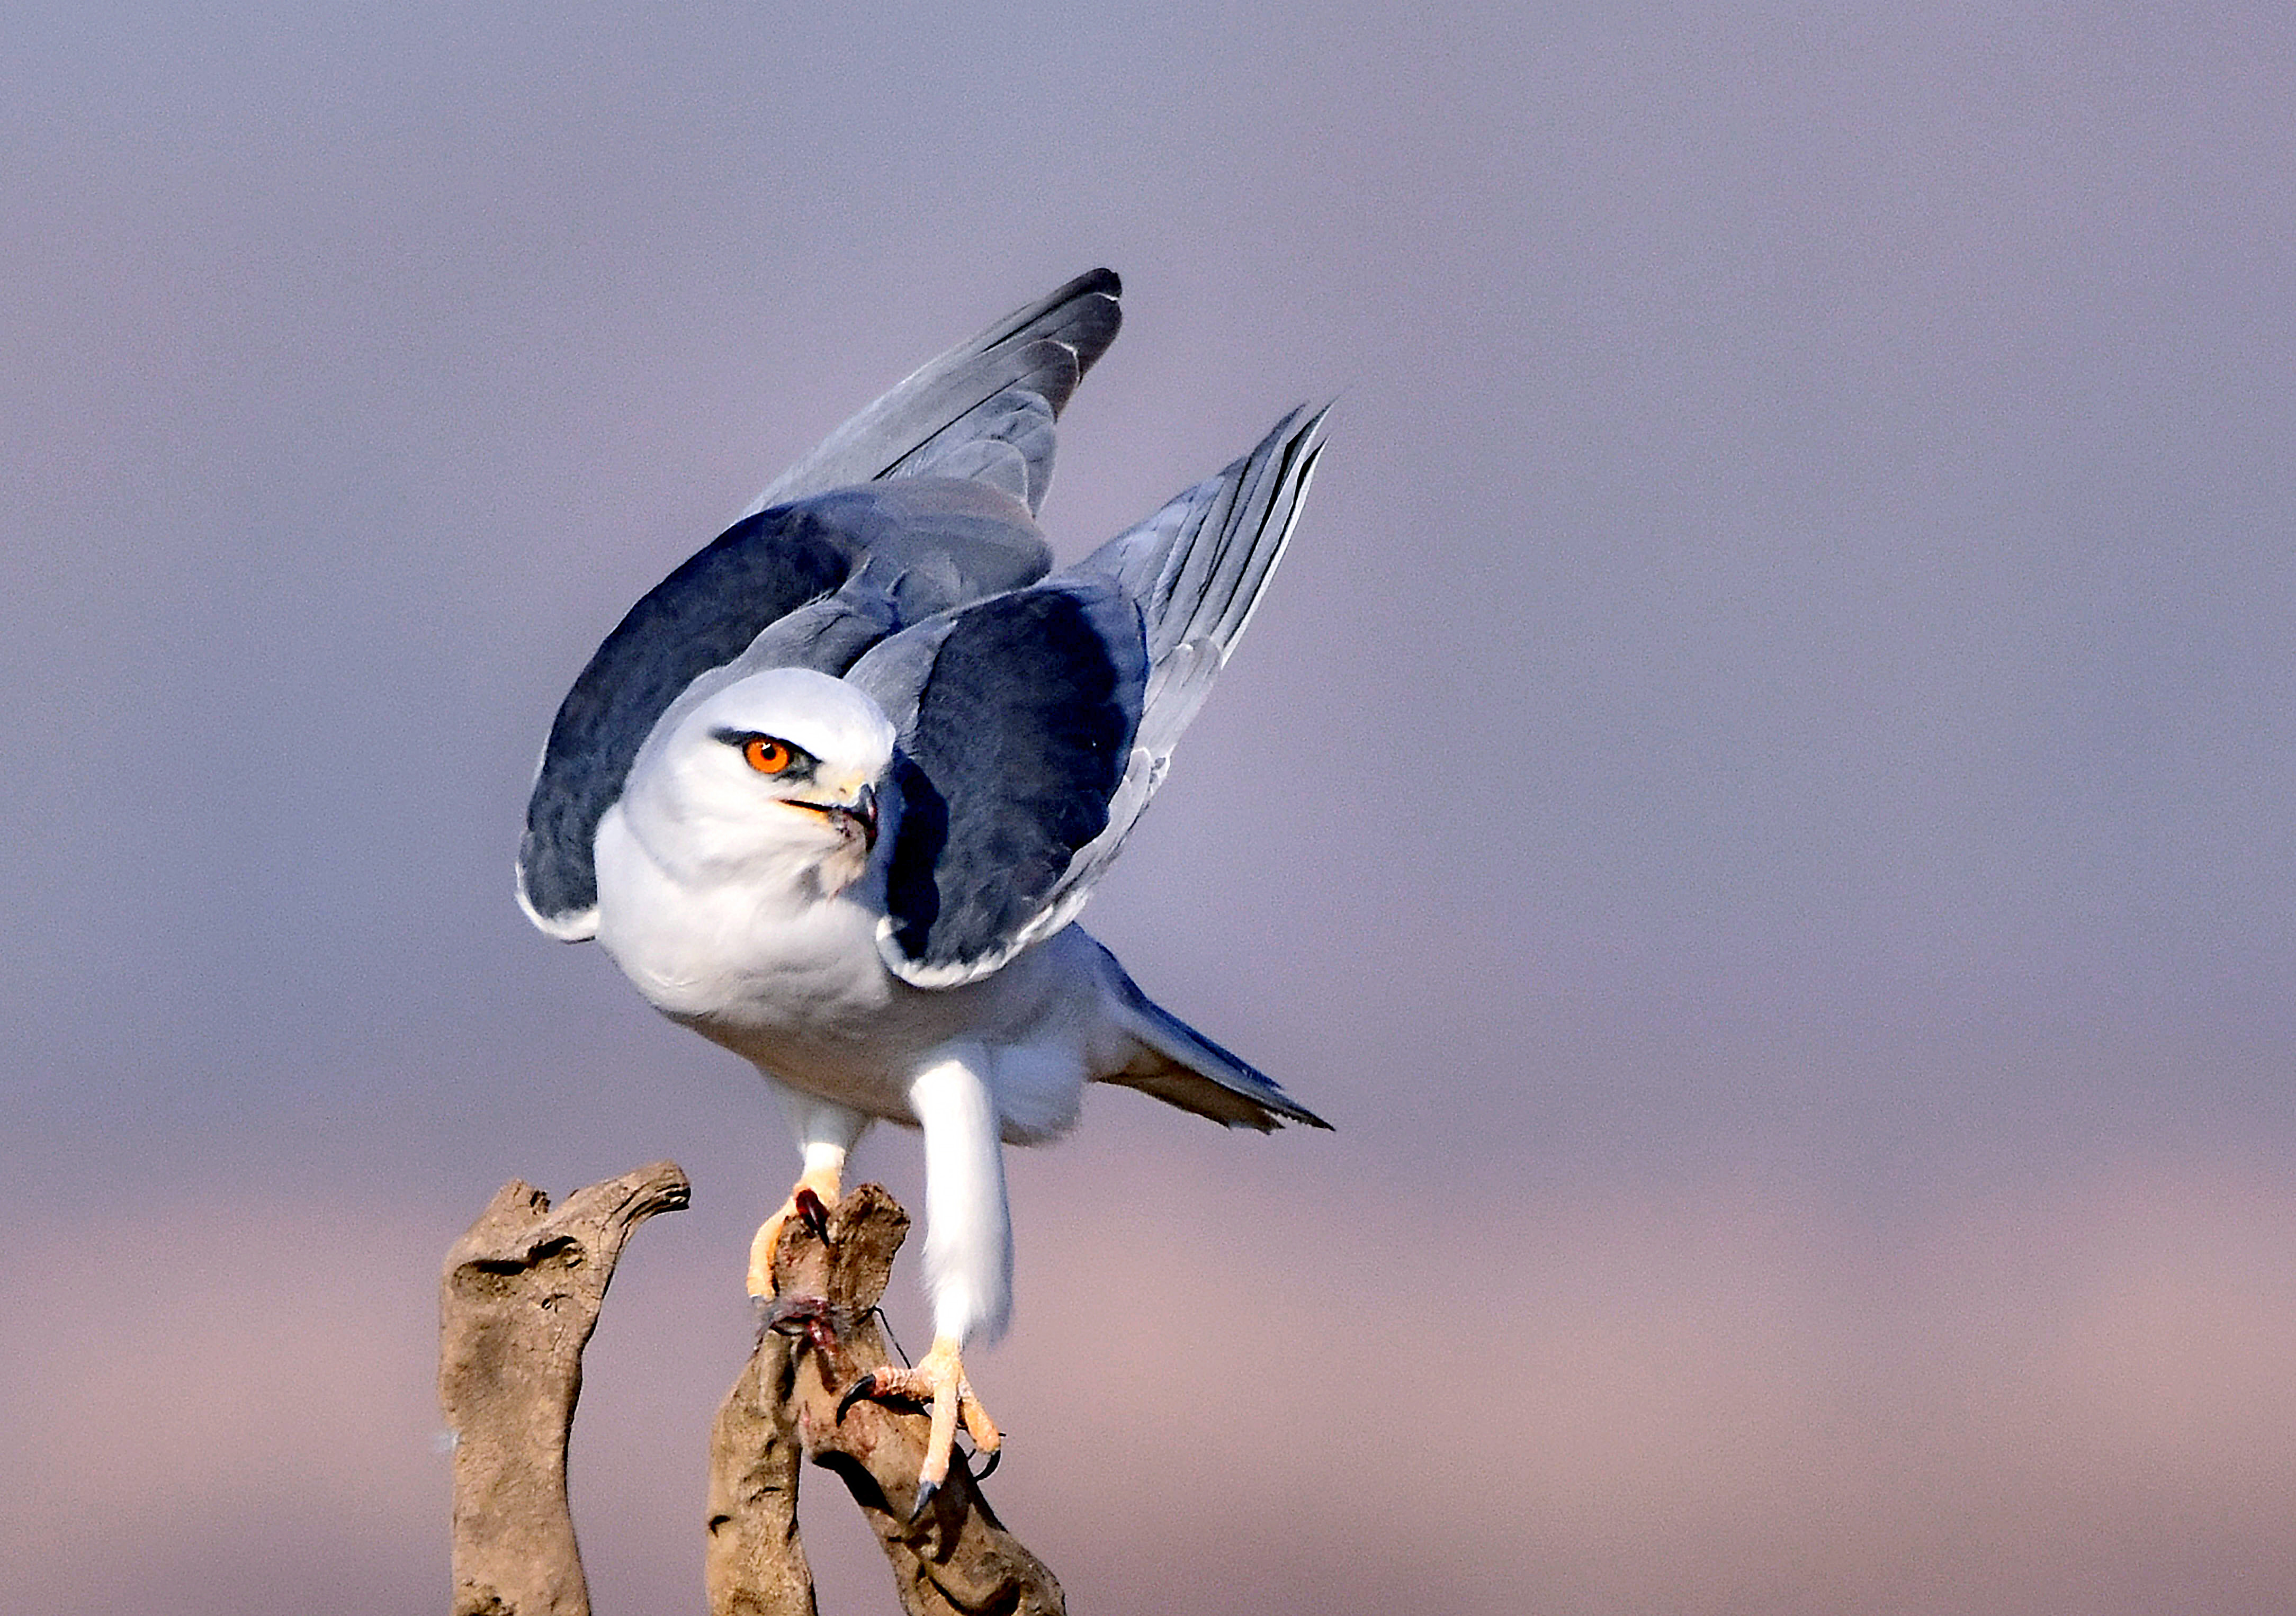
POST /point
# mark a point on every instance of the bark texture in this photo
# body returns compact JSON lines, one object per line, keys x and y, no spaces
{"x":517,"y":1304}
{"x":821,"y":1335}
{"x":754,"y":1563}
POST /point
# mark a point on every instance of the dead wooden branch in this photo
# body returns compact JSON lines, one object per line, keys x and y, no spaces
{"x":518,"y":1302}
{"x":754,"y":1563}
{"x":822,"y":1335}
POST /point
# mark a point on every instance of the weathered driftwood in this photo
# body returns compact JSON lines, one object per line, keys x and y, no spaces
{"x":955,"y":1559}
{"x":518,"y":1302}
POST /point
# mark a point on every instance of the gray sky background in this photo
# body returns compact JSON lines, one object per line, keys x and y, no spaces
{"x":1758,"y":803}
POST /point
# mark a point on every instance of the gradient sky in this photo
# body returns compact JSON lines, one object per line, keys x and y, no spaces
{"x":1758,"y":802}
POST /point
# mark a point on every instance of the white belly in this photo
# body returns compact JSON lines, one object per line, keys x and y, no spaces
{"x":792,"y":981}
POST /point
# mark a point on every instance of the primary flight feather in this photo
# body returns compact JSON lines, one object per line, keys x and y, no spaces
{"x":833,"y":792}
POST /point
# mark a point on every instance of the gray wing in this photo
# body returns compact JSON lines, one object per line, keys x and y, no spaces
{"x":1015,"y":716}
{"x":811,"y":584}
{"x":1197,"y":568}
{"x":822,"y":567}
{"x":1036,"y":725}
{"x":984,"y":410}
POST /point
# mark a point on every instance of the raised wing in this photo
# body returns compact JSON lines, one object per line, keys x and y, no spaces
{"x":969,"y":435}
{"x":1015,"y":716}
{"x":812,"y":584}
{"x":1197,"y":567}
{"x":984,"y":410}
{"x":1036,"y":725}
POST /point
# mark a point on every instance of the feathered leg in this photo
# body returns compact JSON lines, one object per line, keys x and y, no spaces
{"x":968,"y":1259}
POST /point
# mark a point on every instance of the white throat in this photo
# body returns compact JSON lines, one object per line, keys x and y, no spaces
{"x":719,"y":885}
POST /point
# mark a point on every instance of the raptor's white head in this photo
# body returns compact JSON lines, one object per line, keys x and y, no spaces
{"x":778,"y":771}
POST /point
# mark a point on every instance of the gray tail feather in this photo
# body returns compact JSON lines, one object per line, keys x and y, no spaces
{"x":1002,"y":388}
{"x":1181,"y":1067}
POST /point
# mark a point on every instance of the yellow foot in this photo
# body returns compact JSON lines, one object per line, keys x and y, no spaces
{"x":818,"y":1187}
{"x":937,"y":1382}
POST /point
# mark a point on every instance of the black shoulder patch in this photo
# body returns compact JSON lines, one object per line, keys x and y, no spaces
{"x":876,"y":557}
{"x":911,"y":896}
{"x":1021,"y":732}
{"x":701,"y":616}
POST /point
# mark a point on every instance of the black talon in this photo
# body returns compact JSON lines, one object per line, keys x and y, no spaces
{"x":990,"y":1469}
{"x":854,"y":1393}
{"x":925,"y":1491}
{"x":813,"y":1215}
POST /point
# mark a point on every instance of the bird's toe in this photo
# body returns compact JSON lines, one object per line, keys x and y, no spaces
{"x":809,"y":1203}
{"x":939,"y":1383}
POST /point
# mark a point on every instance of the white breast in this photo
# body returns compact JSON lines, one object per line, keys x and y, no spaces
{"x":763,"y":948}
{"x":761,"y":960}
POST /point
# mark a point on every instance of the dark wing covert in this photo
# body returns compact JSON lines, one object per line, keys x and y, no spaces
{"x":1015,"y":715}
{"x":962,"y":434}
{"x":861,"y":563}
{"x":1036,"y":725}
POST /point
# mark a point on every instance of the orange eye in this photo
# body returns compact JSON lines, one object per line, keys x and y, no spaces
{"x":767,"y":755}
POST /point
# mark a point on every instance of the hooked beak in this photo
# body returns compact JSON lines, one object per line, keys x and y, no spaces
{"x":859,"y":816}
